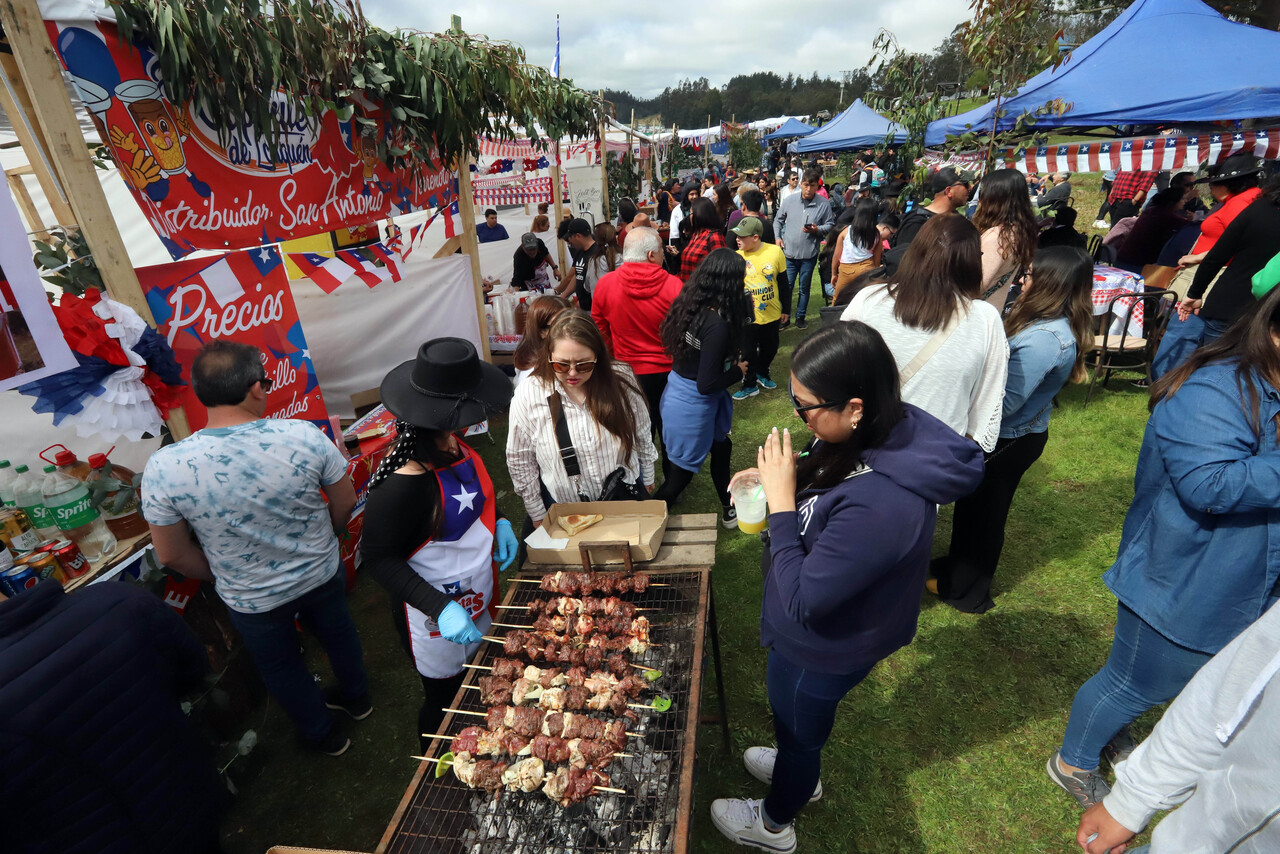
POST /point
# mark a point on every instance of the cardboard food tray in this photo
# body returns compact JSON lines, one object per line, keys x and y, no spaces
{"x":642,"y":524}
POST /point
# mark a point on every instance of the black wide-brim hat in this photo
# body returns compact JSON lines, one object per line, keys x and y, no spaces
{"x":447,"y":387}
{"x":1235,"y":166}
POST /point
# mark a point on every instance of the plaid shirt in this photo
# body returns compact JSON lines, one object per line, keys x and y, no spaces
{"x":1129,"y":184}
{"x":700,"y":246}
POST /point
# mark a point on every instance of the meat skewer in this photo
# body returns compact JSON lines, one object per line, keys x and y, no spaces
{"x":534,"y":644}
{"x":599,"y":693}
{"x":583,"y":583}
{"x":578,"y":752}
{"x":566,"y":785}
{"x":549,"y":677}
{"x":531,"y":722}
{"x":454,"y":747}
{"x":585,"y":624}
{"x":567,"y":606}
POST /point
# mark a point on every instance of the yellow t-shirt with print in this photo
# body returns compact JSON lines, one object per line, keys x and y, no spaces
{"x":763,"y":268}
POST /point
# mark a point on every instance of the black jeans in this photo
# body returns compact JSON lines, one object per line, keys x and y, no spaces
{"x":1106,"y":205}
{"x":438,"y":695}
{"x":653,"y":385}
{"x":759,"y":346}
{"x":678,"y":478}
{"x":977,"y":532}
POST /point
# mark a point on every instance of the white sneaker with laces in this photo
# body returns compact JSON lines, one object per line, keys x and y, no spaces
{"x":1099,"y":223}
{"x":742,"y":821}
{"x":759,"y":762}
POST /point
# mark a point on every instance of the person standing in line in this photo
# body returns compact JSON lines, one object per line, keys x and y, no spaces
{"x":704,"y":235}
{"x":590,"y":262}
{"x":1211,"y":759}
{"x":703,"y":335}
{"x":1108,"y":178}
{"x":542,"y":313}
{"x":1234,"y":187}
{"x":950,"y":345}
{"x":431,"y":528}
{"x":605,"y":415}
{"x":1009,"y":232}
{"x":1050,"y":329}
{"x":803,"y":221}
{"x":858,"y":248}
{"x":723,"y":200}
{"x":1197,"y":562}
{"x":98,"y":756}
{"x":628,"y":308}
{"x":766,"y":287}
{"x":950,"y":190}
{"x":752,"y":203}
{"x":490,"y":231}
{"x":790,"y":188}
{"x":254,"y":490}
{"x":850,"y":528}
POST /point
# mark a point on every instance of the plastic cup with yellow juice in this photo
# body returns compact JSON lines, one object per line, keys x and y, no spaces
{"x":748,"y":499}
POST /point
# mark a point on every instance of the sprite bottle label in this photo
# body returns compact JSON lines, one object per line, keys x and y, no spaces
{"x":76,"y":512}
{"x":40,"y":516}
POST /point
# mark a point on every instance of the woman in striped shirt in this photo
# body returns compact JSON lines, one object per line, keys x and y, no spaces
{"x":603,"y":408}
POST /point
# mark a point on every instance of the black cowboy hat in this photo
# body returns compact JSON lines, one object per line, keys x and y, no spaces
{"x":446,"y":387}
{"x":1235,"y":166}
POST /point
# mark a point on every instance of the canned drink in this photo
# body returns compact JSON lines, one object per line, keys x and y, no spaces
{"x":47,"y":546}
{"x":45,"y":565}
{"x":18,"y":579}
{"x":72,"y":559}
{"x":16,"y":530}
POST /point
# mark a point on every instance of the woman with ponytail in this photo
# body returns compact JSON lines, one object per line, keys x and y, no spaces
{"x":430,"y":521}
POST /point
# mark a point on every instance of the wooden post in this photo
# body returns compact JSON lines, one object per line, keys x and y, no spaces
{"x":604,"y":161}
{"x":17,"y":106}
{"x":41,"y":75}
{"x":471,"y":246}
{"x":557,"y":195}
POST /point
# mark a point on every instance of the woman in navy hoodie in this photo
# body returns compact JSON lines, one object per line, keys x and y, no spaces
{"x":873,"y":478}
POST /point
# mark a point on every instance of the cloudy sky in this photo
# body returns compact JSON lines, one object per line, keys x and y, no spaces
{"x":644,"y":47}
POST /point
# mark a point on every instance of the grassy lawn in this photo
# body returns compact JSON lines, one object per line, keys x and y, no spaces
{"x":942,"y":749}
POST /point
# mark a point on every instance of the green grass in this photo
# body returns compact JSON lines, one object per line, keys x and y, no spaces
{"x":942,"y":749}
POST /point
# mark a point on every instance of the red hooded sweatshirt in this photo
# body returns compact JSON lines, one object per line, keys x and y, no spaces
{"x":629,"y":305}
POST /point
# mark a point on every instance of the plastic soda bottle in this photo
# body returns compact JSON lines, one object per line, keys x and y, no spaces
{"x":7,"y":478}
{"x":29,"y":495}
{"x":69,"y":501}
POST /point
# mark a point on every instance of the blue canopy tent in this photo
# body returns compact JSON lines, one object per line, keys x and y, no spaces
{"x":790,"y":129}
{"x":1127,"y":75}
{"x":857,"y":127}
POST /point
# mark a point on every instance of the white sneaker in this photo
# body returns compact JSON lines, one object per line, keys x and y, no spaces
{"x":741,"y":821}
{"x":1099,"y":223}
{"x":759,"y":762}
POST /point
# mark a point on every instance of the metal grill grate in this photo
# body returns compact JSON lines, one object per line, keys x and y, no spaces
{"x":442,"y":816}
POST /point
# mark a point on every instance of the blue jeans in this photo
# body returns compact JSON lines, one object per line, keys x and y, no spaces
{"x":799,"y":279}
{"x":1143,"y":670}
{"x":804,"y":710}
{"x":272,"y":640}
{"x":1181,"y":339}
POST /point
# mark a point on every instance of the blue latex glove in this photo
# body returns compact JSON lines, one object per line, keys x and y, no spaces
{"x":507,"y":545}
{"x":455,"y":624}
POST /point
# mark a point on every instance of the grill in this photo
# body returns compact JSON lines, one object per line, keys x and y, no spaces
{"x":442,"y":816}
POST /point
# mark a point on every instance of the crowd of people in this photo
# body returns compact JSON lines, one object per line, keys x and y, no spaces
{"x":931,"y":382}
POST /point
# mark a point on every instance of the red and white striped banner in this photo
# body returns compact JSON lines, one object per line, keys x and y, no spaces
{"x":1146,"y":154}
{"x":531,"y":192}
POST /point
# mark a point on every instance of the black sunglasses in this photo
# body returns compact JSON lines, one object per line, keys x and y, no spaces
{"x":803,"y":411}
{"x":264,"y":381}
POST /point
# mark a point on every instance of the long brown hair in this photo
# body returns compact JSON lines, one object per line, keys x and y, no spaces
{"x":1005,"y":203}
{"x":542,"y":312}
{"x":606,"y":238}
{"x":1249,"y":341}
{"x":940,"y":272}
{"x":1062,"y":286}
{"x":610,"y":391}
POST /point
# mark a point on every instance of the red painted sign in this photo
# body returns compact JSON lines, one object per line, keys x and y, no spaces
{"x":240,"y":296}
{"x":200,"y":189}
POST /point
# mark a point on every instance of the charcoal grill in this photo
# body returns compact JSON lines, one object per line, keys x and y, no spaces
{"x":442,"y":816}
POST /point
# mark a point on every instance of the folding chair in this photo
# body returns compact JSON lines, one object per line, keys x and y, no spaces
{"x":1121,"y":351}
{"x":1095,"y":240}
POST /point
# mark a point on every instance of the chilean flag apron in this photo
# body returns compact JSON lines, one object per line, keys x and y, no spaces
{"x":458,"y":562}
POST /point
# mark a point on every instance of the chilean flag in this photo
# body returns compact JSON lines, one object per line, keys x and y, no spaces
{"x":387,"y":257}
{"x":326,"y":272}
{"x":364,"y":269}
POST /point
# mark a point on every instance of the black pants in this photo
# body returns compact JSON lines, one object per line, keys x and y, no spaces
{"x":759,"y":346}
{"x":438,"y":696}
{"x":678,"y":478}
{"x":1123,"y":209}
{"x":1106,"y":205}
{"x":652,"y":385}
{"x":977,"y":533}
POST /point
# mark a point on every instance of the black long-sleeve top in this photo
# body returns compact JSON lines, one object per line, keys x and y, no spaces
{"x":1247,"y":244}
{"x":710,"y":349}
{"x":397,"y":521}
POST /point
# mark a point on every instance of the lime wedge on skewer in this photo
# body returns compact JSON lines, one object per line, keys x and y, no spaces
{"x":442,"y":767}
{"x":653,"y":675}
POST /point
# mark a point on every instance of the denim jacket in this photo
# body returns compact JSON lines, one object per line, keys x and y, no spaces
{"x":1200,"y":552}
{"x":1040,"y":360}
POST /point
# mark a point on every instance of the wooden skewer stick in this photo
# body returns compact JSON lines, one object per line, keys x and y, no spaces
{"x":450,"y":738}
{"x":539,"y":581}
{"x":510,"y":626}
{"x":486,"y":714}
{"x":526,"y":607}
{"x":493,"y":639}
{"x":477,"y":667}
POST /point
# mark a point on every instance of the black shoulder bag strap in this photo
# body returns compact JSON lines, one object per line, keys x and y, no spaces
{"x":568,"y":455}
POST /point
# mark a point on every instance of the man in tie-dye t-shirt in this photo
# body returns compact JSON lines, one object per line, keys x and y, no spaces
{"x":253,"y":491}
